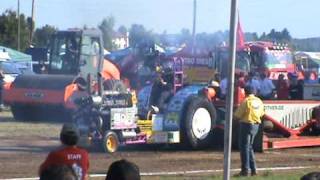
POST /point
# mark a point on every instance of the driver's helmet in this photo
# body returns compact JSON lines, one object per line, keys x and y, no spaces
{"x":158,"y":69}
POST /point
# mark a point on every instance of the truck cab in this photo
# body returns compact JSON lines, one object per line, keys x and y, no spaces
{"x":76,"y":52}
{"x":274,"y":58}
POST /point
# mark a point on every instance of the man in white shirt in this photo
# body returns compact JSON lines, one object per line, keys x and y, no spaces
{"x":266,"y":87}
{"x":253,"y":82}
{"x":223,"y":87}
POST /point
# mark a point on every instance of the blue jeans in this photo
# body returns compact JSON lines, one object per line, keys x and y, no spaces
{"x":247,"y":133}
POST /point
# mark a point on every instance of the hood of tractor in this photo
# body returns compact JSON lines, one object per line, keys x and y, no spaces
{"x":37,"y":89}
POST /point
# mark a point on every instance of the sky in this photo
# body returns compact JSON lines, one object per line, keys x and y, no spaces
{"x":299,"y":17}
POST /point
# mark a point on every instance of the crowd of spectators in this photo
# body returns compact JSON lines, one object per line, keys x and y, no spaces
{"x":287,"y":86}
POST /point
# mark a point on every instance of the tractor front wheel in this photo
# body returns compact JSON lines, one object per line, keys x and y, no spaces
{"x":110,"y":142}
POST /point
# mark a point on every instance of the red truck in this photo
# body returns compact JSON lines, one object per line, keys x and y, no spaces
{"x":275,"y":58}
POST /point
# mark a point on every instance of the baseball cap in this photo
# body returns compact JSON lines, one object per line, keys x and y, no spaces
{"x":249,"y":89}
{"x":70,"y":129}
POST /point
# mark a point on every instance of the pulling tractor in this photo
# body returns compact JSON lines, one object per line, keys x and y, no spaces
{"x":184,"y":115}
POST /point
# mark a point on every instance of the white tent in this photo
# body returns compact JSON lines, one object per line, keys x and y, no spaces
{"x":4,"y":56}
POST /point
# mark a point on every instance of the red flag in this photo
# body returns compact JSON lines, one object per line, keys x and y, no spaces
{"x":240,"y":35}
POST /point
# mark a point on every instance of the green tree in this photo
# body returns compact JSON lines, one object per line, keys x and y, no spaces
{"x":122,"y":30}
{"x":185,"y":36}
{"x":42,"y":35}
{"x":9,"y":30}
{"x":263,"y":36}
{"x":277,"y":36}
{"x":139,"y":36}
{"x":286,"y":37}
{"x":106,"y":28}
{"x":251,"y":36}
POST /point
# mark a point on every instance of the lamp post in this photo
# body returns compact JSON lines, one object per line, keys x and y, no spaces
{"x":32,"y":24}
{"x":18,"y":39}
{"x":229,"y":105}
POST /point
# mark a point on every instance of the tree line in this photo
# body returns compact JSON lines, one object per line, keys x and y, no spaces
{"x":139,"y":35}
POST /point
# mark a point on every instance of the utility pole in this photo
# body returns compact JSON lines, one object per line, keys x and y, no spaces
{"x":18,"y":46}
{"x":194,"y":26}
{"x":229,"y":105}
{"x":32,"y":24}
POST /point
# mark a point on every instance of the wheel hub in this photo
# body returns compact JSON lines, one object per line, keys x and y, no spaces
{"x":201,"y":123}
{"x":111,"y":144}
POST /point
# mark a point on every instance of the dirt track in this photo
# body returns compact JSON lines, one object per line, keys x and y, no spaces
{"x":22,"y":152}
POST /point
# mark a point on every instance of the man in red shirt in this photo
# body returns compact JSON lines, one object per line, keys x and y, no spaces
{"x":282,"y":88}
{"x":69,"y":154}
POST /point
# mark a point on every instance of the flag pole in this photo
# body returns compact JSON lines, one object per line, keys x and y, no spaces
{"x":194,"y":27}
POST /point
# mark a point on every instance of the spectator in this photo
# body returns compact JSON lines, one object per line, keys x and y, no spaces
{"x":282,"y":88}
{"x":1,"y":89}
{"x":223,"y":87}
{"x":216,"y":86}
{"x":241,"y":82}
{"x":310,"y":78}
{"x":123,"y":170}
{"x":77,"y":89}
{"x":300,"y":89}
{"x":249,"y":113}
{"x":253,"y":82}
{"x":296,"y":87}
{"x":266,"y":87}
{"x":69,"y":154}
{"x":217,"y":77}
{"x":311,"y":176}
{"x":59,"y":172}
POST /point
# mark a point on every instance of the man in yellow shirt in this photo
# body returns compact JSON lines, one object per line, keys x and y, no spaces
{"x":249,"y":113}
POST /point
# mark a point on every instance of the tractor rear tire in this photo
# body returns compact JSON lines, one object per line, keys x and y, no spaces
{"x":197,"y":126}
{"x":114,"y":85}
{"x":110,"y":142}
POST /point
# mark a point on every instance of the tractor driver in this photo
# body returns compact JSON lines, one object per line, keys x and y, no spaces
{"x":162,"y":88}
{"x":70,"y":57}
